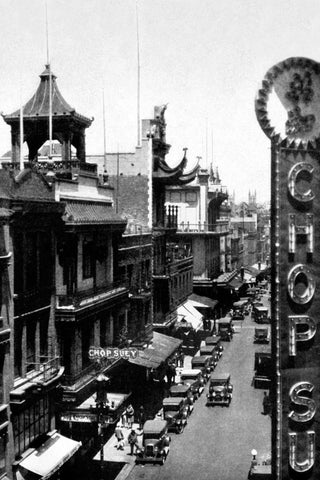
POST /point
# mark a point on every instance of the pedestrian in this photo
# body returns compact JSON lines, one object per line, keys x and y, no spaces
{"x":130,"y":416}
{"x":133,"y":441}
{"x":123,"y":419}
{"x":266,"y":404}
{"x":119,"y":436}
{"x":141,"y":417}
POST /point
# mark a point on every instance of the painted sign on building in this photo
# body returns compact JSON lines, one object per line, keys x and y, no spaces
{"x":288,"y":110}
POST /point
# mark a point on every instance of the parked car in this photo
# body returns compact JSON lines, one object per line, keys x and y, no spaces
{"x":261,"y":335}
{"x":216,"y":341}
{"x":210,"y":351}
{"x":261,"y":314}
{"x":220,"y":389}
{"x":193,"y":377}
{"x":155,"y":442}
{"x":175,"y":412}
{"x":183,"y":390}
{"x":203,"y":363}
{"x":263,"y":368}
{"x":225,"y":326}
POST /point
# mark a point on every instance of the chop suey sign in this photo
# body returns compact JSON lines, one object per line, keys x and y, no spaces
{"x":288,"y":110}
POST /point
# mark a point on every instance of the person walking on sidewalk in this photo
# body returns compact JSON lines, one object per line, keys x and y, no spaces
{"x":119,"y":436}
{"x":133,"y":441}
{"x":130,"y":416}
{"x":141,"y":417}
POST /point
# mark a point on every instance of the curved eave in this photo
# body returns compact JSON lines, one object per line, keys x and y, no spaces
{"x":38,"y":106}
{"x":188,"y":177}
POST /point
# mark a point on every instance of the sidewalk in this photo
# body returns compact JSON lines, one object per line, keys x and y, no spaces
{"x":112,"y":454}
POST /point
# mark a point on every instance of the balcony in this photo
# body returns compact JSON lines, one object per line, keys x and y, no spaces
{"x":87,"y":375}
{"x":39,"y":375}
{"x":169,"y":218}
{"x":43,"y":372}
{"x":90,"y":297}
{"x":206,"y":228}
{"x":55,"y":166}
{"x":174,"y":265}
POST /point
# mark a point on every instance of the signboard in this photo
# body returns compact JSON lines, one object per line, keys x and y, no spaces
{"x":87,"y":418}
{"x":288,"y":110}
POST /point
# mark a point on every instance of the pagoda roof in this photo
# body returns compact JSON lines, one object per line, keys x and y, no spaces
{"x":38,"y":105}
{"x":175,"y":175}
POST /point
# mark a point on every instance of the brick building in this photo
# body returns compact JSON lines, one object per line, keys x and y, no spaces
{"x":65,"y":290}
{"x":144,"y":175}
{"x":203,"y":225}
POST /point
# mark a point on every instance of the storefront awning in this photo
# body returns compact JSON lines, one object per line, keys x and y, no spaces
{"x":161,"y":348}
{"x":202,"y":302}
{"x":50,"y":456}
{"x":190,"y":314}
{"x":236,"y":284}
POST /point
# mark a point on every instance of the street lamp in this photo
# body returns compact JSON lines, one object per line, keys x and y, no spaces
{"x":102,"y":408}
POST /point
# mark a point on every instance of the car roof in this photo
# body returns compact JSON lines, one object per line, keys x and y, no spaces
{"x":212,"y":340}
{"x":220,"y":376}
{"x":173,"y":400}
{"x":224,"y":320}
{"x":201,"y":359}
{"x":179,"y":388}
{"x":207,"y":348}
{"x":264,"y":329}
{"x":192,"y":372}
{"x":155,"y":426}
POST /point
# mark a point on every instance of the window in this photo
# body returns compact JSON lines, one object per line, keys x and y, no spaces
{"x":31,"y":423}
{"x":88,"y":259}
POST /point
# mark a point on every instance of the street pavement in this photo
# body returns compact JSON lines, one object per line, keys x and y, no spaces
{"x":217,"y":442}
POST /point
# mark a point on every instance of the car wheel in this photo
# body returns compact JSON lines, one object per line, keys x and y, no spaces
{"x":162,"y":460}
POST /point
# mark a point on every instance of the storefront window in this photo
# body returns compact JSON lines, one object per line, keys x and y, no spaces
{"x":31,"y":423}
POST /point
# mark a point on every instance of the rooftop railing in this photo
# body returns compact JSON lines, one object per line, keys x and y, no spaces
{"x":91,"y":294}
{"x":43,"y":371}
{"x":204,"y":227}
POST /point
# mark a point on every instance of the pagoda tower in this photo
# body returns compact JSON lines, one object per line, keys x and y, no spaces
{"x":68,"y":126}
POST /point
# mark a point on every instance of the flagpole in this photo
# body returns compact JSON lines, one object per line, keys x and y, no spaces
{"x":50,"y":85}
{"x":21,"y":137}
{"x":138,"y":79}
{"x":104,"y":134}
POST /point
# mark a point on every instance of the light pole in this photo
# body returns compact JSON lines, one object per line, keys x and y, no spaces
{"x":102,"y":408}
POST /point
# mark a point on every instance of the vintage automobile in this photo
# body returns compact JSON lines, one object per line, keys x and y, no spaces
{"x":261,"y":314}
{"x":193,"y":377}
{"x":210,"y":351}
{"x":263,"y":368}
{"x":175,"y":412}
{"x":183,"y":390}
{"x":216,"y":341}
{"x":225,"y":327}
{"x":261,"y":335}
{"x":220,"y":389}
{"x":155,"y":442}
{"x":203,"y":363}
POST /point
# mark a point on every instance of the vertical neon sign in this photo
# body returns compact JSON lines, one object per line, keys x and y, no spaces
{"x":288,"y":110}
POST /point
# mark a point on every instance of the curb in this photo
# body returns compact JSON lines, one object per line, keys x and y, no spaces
{"x":125,"y":471}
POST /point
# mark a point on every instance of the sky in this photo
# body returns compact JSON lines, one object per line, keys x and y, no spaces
{"x":205,"y":58}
